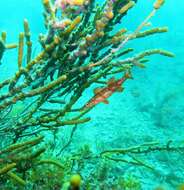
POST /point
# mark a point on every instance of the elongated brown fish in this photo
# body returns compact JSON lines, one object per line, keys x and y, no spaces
{"x":101,"y":94}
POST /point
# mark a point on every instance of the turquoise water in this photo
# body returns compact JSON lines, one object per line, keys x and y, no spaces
{"x":150,"y":109}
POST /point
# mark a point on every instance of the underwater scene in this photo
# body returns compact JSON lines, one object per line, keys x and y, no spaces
{"x":91,"y":95}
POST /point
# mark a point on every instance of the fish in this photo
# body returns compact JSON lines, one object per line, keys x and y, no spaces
{"x":101,"y":94}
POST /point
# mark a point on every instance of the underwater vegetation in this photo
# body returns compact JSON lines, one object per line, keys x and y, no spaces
{"x":81,"y":50}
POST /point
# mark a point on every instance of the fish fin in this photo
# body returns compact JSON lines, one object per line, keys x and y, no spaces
{"x":119,"y":89}
{"x":128,"y":75}
{"x":105,"y":101}
{"x":111,"y":81}
{"x":97,"y":90}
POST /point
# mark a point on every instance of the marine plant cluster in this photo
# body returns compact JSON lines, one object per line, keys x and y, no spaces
{"x":81,"y":50}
